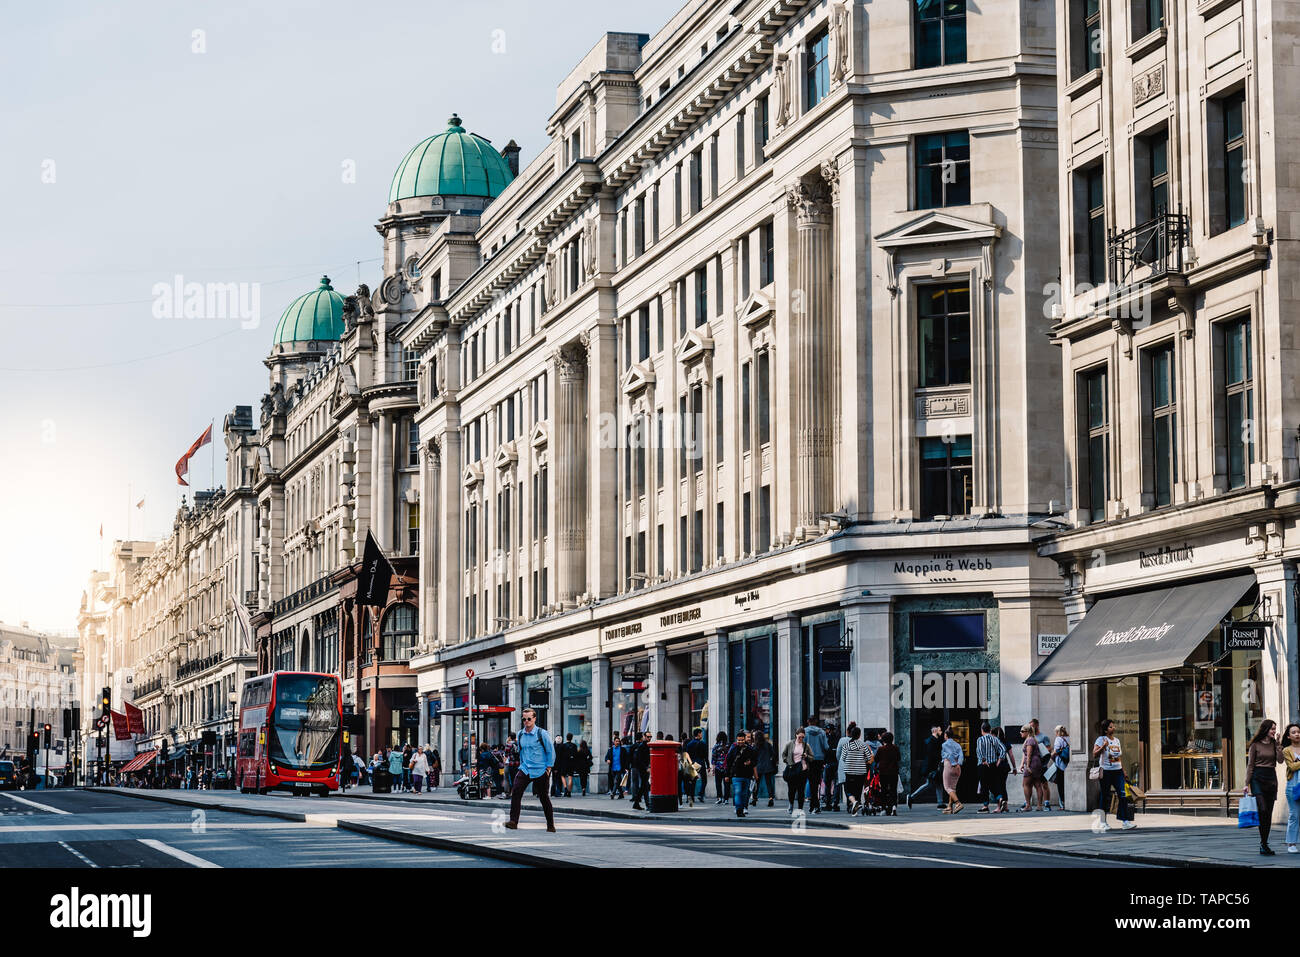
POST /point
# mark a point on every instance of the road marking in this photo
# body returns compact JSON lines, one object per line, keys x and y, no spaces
{"x":286,"y":826}
{"x":177,"y":853}
{"x":43,"y":807}
{"x":858,"y":850}
{"x":77,"y":853}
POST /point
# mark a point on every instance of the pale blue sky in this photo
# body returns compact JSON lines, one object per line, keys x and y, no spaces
{"x":220,"y":166}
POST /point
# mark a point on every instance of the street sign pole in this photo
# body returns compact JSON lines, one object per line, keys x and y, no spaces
{"x":469,"y":721}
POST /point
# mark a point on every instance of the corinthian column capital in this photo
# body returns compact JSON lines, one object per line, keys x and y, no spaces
{"x":831,"y":174}
{"x":810,"y":199}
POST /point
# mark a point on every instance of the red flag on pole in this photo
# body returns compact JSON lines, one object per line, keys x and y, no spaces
{"x":120,"y":730}
{"x":183,"y":466}
{"x":134,"y":718}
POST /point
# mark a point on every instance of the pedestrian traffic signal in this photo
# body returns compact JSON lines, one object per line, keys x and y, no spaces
{"x":47,"y":735}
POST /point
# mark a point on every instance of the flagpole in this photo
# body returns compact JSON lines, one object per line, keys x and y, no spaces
{"x":128,"y":511}
{"x":212,"y":459}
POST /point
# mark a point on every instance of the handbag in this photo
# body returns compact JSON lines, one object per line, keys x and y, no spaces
{"x":1248,"y":812}
{"x":1050,"y":772}
{"x":1094,"y":773}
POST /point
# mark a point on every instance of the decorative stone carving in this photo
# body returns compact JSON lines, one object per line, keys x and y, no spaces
{"x":831,"y":173}
{"x":365,"y":308}
{"x":839,"y":42}
{"x":392,"y":289}
{"x":810,"y":201}
{"x":568,"y":363}
{"x":1148,"y":85}
{"x":590,"y":241}
{"x":781,"y":73}
{"x":349,"y":313}
{"x":552,"y":280}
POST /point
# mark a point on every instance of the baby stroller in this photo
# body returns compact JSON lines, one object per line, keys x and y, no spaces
{"x":873,"y":795}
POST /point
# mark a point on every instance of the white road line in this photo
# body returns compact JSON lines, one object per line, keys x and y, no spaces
{"x":177,"y":853}
{"x":252,"y":826}
{"x":858,"y":850}
{"x":77,"y":853}
{"x":43,"y":807}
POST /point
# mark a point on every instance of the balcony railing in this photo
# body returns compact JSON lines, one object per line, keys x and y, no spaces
{"x":199,"y":664}
{"x":1156,"y":246}
{"x":148,"y":688}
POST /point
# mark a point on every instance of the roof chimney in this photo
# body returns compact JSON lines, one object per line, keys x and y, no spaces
{"x":510,"y":152}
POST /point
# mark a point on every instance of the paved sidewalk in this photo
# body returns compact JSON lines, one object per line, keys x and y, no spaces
{"x":1160,"y":839}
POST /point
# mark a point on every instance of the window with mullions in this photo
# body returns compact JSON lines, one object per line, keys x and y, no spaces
{"x":940,"y":32}
{"x":942,"y":170}
{"x":1096,"y":450}
{"x":1148,"y":16}
{"x":946,"y":487}
{"x":817,"y":72}
{"x":1090,"y":232}
{"x":1090,"y":35}
{"x":1238,"y":400}
{"x":1234,"y":158}
{"x":397,"y":632}
{"x":412,"y":442}
{"x":1151,"y":158}
{"x":944,"y":330}
{"x":1163,"y":422}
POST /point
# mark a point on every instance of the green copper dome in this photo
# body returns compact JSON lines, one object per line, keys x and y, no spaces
{"x":314,"y":315}
{"x":454,"y":163}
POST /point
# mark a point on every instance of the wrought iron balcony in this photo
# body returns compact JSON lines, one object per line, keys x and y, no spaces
{"x":199,"y":664}
{"x":1148,"y":251}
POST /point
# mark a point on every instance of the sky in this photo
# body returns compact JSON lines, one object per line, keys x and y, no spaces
{"x":249,"y":143}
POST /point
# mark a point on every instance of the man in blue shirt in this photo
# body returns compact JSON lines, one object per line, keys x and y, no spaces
{"x":536,"y":762}
{"x":816,"y":744}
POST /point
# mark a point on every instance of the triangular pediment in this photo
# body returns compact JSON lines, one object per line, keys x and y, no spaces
{"x":506,"y":456}
{"x":758,"y":308}
{"x":345,"y":390}
{"x":936,"y":226}
{"x":695,"y":345}
{"x":472,"y":475}
{"x":640,"y":377}
{"x":540,"y":435}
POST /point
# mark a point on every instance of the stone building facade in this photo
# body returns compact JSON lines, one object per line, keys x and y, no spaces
{"x":38,"y":679}
{"x":1179,"y":371}
{"x":747,"y":366}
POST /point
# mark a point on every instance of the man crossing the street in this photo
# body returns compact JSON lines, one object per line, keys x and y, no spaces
{"x":536,"y":763}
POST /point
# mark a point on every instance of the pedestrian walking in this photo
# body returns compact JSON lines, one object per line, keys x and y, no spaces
{"x":718,"y":761}
{"x":951,"y":753}
{"x":1291,"y":755}
{"x":855,"y":756}
{"x":616,"y":764}
{"x":931,"y":769}
{"x":435,"y":767}
{"x":988,"y":752}
{"x":585,"y":761}
{"x":688,"y":775}
{"x":536,"y":766}
{"x":1262,"y":759}
{"x":568,"y":764}
{"x":840,"y":745}
{"x":795,"y":758}
{"x":641,"y":771}
{"x":406,"y":767}
{"x":1044,"y":752}
{"x":741,"y":764}
{"x":557,"y":779}
{"x":888,"y":760}
{"x":1005,"y":766}
{"x":1031,"y":769}
{"x":419,"y":769}
{"x":396,"y":768}
{"x":699,"y":752}
{"x":1060,"y":758}
{"x":816,"y":745}
{"x":765,"y":768}
{"x":1108,"y":753}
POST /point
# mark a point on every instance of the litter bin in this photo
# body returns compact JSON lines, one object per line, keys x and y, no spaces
{"x":381,"y":781}
{"x":663,"y":776}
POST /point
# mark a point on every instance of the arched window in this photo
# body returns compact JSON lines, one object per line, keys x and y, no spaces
{"x":304,"y":651}
{"x":398,"y":632}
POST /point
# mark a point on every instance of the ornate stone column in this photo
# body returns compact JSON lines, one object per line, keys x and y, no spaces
{"x":831,"y":173}
{"x":570,"y":472}
{"x":812,"y":332}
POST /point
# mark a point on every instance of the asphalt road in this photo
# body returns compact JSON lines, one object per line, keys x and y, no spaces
{"x":93,"y":830}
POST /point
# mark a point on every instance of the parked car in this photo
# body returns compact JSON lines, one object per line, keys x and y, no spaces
{"x":8,"y":776}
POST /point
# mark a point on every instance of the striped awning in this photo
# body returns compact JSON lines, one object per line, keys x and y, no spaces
{"x":140,"y":761}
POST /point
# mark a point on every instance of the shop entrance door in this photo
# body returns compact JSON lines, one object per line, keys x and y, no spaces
{"x":965,"y":723}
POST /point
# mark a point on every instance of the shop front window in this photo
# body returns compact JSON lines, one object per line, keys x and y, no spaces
{"x":628,"y":713}
{"x":752,"y":691}
{"x":577,"y":702}
{"x":1123,"y":705}
{"x":823,"y":691}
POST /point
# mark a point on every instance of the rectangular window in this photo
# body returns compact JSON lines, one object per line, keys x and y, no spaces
{"x":713,"y":167}
{"x":1238,"y":401}
{"x":1163,"y":403}
{"x":627,"y":462}
{"x":1095,"y":473}
{"x":944,"y":332}
{"x":740,"y":145}
{"x":940,"y":32}
{"x":659,"y":448}
{"x":697,"y":180}
{"x":681,"y":308}
{"x":747,"y":524}
{"x":639,"y":580}
{"x":946,"y":487}
{"x":677,"y":195}
{"x":412,"y":442}
{"x":942,"y":170}
{"x":1151,"y":159}
{"x":638,"y":226}
{"x":743,"y":253}
{"x":545,"y":502}
{"x":654,"y":214}
{"x":683,"y":432}
{"x":764,"y":519}
{"x":762,"y":129}
{"x":744,"y":408}
{"x":681,"y":545}
{"x":659,"y":322}
{"x":720,"y":533}
{"x":1090,"y":35}
{"x":410,"y":364}
{"x":697,"y":543}
{"x":1148,"y":16}
{"x":643,"y":332}
{"x":767,"y":254}
{"x":1090,"y":231}
{"x":719,"y":423}
{"x":945,"y":631}
{"x":659,"y":551}
{"x":1234,"y":158}
{"x":639,"y":454}
{"x":817,"y":81}
{"x":701,"y":296}
{"x":764,"y":399}
{"x":697,"y":428}
{"x":627,"y":562}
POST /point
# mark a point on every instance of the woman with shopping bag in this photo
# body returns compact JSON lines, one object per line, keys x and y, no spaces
{"x":1262,"y":759}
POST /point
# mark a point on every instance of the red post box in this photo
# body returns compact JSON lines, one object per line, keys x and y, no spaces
{"x":663,"y":776}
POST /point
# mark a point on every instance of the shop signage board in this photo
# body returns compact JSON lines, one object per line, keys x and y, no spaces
{"x":836,"y":658}
{"x":1244,"y":635}
{"x":1049,"y":643}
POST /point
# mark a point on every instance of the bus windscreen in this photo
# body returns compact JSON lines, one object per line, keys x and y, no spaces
{"x":305,"y":726}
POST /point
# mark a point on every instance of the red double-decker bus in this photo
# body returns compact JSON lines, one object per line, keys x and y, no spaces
{"x":289,"y":733}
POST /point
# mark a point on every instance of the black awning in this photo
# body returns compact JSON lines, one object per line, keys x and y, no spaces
{"x":1138,"y":634}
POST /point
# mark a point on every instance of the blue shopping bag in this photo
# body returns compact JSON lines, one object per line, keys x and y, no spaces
{"x":1248,"y":812}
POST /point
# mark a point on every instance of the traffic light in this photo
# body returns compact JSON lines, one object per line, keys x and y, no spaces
{"x":33,"y":745}
{"x":67,"y":723}
{"x":47,"y":730}
{"x":105,"y":699}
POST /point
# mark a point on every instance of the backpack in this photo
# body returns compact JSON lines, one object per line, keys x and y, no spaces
{"x":1063,"y":755}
